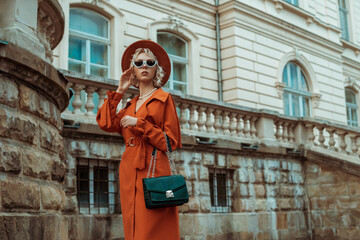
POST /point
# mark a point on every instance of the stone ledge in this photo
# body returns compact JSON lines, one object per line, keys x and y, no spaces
{"x":30,"y":70}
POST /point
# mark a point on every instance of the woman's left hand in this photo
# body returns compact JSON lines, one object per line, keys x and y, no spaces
{"x":128,"y":121}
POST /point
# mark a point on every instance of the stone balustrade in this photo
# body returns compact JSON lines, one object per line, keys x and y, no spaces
{"x":208,"y":121}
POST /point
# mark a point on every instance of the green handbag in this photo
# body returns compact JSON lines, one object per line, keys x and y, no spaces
{"x":165,"y":191}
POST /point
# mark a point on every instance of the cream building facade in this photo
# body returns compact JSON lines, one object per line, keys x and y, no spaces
{"x":267,"y":101}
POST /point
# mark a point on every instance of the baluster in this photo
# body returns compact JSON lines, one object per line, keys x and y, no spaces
{"x":102,"y":95}
{"x":278,"y":133}
{"x":192,"y":119}
{"x":183,"y":120}
{"x":342,"y":144}
{"x":310,"y":132}
{"x":70,"y":84}
{"x":209,"y":123}
{"x":201,"y":120}
{"x":354,"y":146}
{"x":217,"y":124}
{"x":239,"y":126}
{"x":321,"y":136}
{"x":291,"y":133}
{"x":285,"y":134}
{"x":246,"y":126}
{"x":331,"y":138}
{"x":252,"y":126}
{"x":77,"y":99}
{"x":90,"y":101}
{"x":233,"y":124}
{"x":225,"y":123}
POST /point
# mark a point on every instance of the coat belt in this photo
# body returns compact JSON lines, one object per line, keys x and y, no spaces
{"x":140,"y":156}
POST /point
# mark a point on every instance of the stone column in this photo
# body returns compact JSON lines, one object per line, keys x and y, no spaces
{"x":32,"y":96}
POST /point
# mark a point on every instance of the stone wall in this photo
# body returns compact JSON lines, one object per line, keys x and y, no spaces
{"x":334,"y":200}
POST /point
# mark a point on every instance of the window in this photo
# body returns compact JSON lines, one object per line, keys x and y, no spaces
{"x":220,"y":194}
{"x":89,"y":43}
{"x":293,"y":2}
{"x":177,"y":51}
{"x":351,"y":108}
{"x":96,"y":186}
{"x":343,"y":9}
{"x":296,"y":91}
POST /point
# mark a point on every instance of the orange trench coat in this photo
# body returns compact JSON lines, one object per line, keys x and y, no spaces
{"x":155,"y":116}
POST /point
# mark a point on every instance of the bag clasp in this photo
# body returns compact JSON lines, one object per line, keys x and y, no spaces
{"x":169,"y":194}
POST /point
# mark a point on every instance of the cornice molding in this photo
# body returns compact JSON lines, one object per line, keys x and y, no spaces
{"x":354,"y":47}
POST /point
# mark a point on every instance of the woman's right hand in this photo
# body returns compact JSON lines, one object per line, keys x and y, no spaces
{"x":124,"y":82}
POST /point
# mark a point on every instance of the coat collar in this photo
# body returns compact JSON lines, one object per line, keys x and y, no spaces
{"x":159,"y":94}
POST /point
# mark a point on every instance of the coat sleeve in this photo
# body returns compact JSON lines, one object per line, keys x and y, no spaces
{"x":155,"y":135}
{"x":106,"y":116}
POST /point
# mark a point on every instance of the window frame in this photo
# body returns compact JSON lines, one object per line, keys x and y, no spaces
{"x":178,"y":59}
{"x":294,"y":92}
{"x":89,"y":38}
{"x":293,"y":2}
{"x":349,"y":107}
{"x":345,"y":11}
{"x":113,"y":199}
{"x":215,"y":208}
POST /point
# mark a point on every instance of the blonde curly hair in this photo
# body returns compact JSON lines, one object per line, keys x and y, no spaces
{"x":159,"y":73}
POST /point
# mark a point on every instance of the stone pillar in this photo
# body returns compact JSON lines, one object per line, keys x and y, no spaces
{"x":32,"y":96}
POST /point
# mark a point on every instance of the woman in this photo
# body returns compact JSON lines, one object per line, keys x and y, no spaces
{"x":142,"y":123}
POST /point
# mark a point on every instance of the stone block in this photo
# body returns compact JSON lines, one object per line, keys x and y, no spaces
{"x":263,"y":236}
{"x":260,"y":205}
{"x":50,"y":138}
{"x":272,"y":164}
{"x":246,"y":205}
{"x":323,"y":234}
{"x":58,"y":171}
{"x":201,"y":188}
{"x":347,"y":203}
{"x":316,"y":219}
{"x":271,"y":204}
{"x":242,"y":175}
{"x":17,"y":194}
{"x":37,"y":164}
{"x":264,"y":221}
{"x":286,"y":203}
{"x":323,"y":177}
{"x":8,"y":92}
{"x":196,"y":159}
{"x":286,"y":191}
{"x":234,"y":161}
{"x":71,"y":204}
{"x":221,"y":160}
{"x":243,"y":190}
{"x":354,"y":189}
{"x":314,"y":190}
{"x":194,"y":204}
{"x":272,"y":190}
{"x":296,"y":167}
{"x":299,"y":191}
{"x":259,"y":177}
{"x":208,"y":159}
{"x":296,"y":220}
{"x":334,"y":219}
{"x":347,"y":233}
{"x":187,"y":224}
{"x":284,"y":166}
{"x":252,"y":178}
{"x":333,"y":190}
{"x":205,"y":204}
{"x":203,"y":173}
{"x":270,"y":176}
{"x":29,"y":100}
{"x":296,"y":178}
{"x":282,"y":177}
{"x":354,"y":215}
{"x":10,"y":158}
{"x":44,"y":108}
{"x":299,"y":204}
{"x":116,"y":150}
{"x":55,"y":117}
{"x":323,"y":203}
{"x":78,"y":148}
{"x":190,"y":172}
{"x":52,"y":198}
{"x":99,"y":150}
{"x":259,"y":191}
{"x":281,"y":220}
{"x":240,"y":223}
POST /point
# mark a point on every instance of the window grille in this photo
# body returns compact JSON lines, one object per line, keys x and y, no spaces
{"x":177,"y":49}
{"x":97,"y":186}
{"x":296,"y":91}
{"x":220,"y":192}
{"x":351,"y":108}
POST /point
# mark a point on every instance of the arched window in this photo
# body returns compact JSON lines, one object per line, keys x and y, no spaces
{"x":351,"y":108}
{"x":89,"y":42}
{"x":177,"y":51}
{"x":296,"y":91}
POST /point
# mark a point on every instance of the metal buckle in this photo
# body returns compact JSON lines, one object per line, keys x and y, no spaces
{"x":169,"y":194}
{"x":130,"y":142}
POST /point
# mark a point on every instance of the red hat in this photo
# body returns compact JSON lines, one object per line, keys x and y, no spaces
{"x":156,"y":49}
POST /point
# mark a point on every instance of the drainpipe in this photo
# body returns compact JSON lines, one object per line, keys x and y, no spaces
{"x":218,"y":51}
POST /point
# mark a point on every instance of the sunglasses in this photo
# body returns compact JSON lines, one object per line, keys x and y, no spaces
{"x":149,"y":63}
